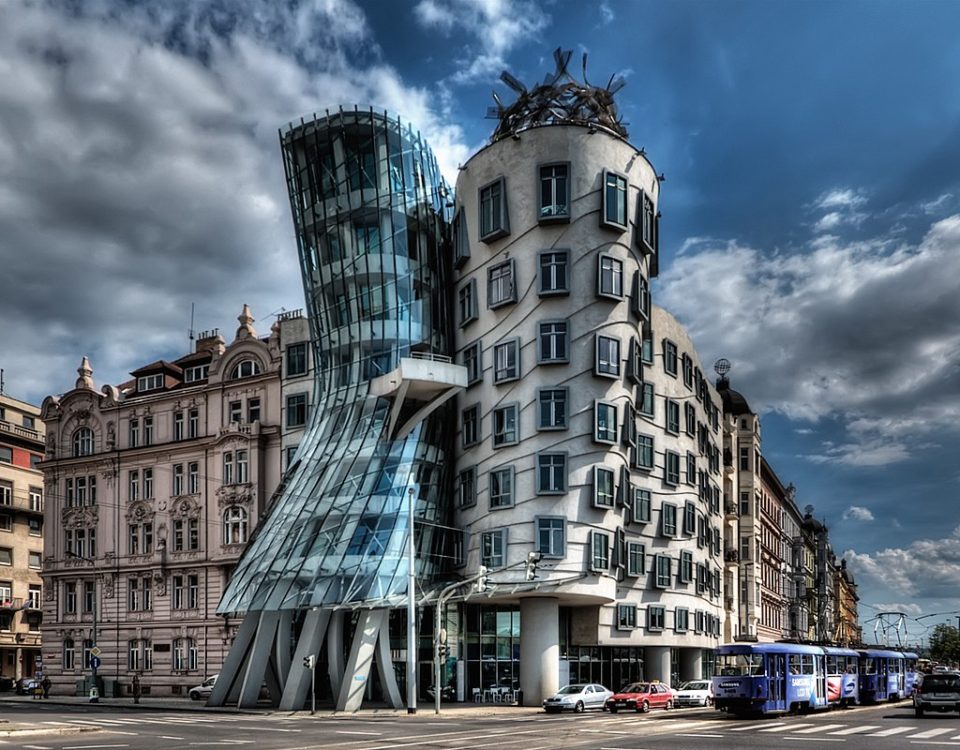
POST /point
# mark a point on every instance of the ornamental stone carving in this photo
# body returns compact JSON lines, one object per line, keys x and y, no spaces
{"x":234,"y":494}
{"x":185,"y":508}
{"x":80,"y":518}
{"x":108,"y":587}
{"x":140,"y":512}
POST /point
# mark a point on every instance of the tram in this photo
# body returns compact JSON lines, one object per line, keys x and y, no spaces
{"x":770,"y":678}
{"x":842,"y":666}
{"x":911,"y":672}
{"x":882,"y":675}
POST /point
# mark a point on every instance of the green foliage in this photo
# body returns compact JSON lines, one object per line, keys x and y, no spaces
{"x":945,"y":643}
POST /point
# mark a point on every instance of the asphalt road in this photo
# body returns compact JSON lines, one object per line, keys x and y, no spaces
{"x":876,"y":728}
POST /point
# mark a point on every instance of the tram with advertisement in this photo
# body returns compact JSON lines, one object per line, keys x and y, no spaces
{"x":882,"y":675}
{"x":842,"y":666}
{"x":911,"y":672}
{"x":770,"y":678}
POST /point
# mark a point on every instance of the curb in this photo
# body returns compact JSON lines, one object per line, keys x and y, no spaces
{"x":56,"y":731}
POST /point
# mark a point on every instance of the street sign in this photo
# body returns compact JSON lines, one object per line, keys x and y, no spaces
{"x":95,"y":651}
{"x":95,"y":662}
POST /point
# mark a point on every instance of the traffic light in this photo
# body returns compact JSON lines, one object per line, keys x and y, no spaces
{"x":310,"y":661}
{"x":532,"y":559}
{"x":481,"y":579}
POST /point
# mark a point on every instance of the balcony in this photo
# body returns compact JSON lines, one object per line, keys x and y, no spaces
{"x":418,"y":386}
{"x":32,"y":505}
{"x":20,"y":431}
{"x":11,"y":604}
{"x":728,"y":603}
{"x":731,"y":509}
{"x":731,"y":556}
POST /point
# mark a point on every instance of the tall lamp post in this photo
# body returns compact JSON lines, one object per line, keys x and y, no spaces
{"x":411,"y":612}
{"x":94,"y":651}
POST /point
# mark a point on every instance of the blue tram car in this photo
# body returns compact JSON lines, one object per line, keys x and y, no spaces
{"x":842,"y":667}
{"x":769,"y":678}
{"x":911,"y":673}
{"x":882,"y":676}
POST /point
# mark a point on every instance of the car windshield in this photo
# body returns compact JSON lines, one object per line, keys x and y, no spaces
{"x":695,"y":685}
{"x":635,"y":687}
{"x":570,"y":690}
{"x":941,"y":682}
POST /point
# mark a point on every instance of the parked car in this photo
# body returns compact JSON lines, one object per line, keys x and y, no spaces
{"x":27,"y":686}
{"x":694,"y":693}
{"x":578,"y":698}
{"x":641,"y":697}
{"x":203,"y":690}
{"x":939,"y":691}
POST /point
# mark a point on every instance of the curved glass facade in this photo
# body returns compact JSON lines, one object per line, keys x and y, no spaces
{"x":369,"y":207}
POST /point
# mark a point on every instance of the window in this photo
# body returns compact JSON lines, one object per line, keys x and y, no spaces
{"x":296,"y":360}
{"x":89,"y":602}
{"x":147,"y":483}
{"x":690,"y":419}
{"x":599,"y":551}
{"x":506,"y":356}
{"x":235,"y":525}
{"x":69,"y":654}
{"x":553,"y":273}
{"x":461,"y":241}
{"x":178,"y":425}
{"x":6,"y":522}
{"x":501,"y":487}
{"x":641,"y":505}
{"x":245,"y":369}
{"x":228,"y":467}
{"x":459,"y":551}
{"x":493,"y":548}
{"x":467,"y":487}
{"x":647,"y":400}
{"x":646,"y":348}
{"x":551,"y":536}
{"x":186,"y":534}
{"x":289,"y":453}
{"x":6,"y":455}
{"x":614,"y":213}
{"x":554,"y":193}
{"x":640,"y":296}
{"x":501,"y":285}
{"x":185,"y":657}
{"x":552,"y":342}
{"x":494,"y":222}
{"x":473,"y":361}
{"x":646,"y":222}
{"x":70,"y":598}
{"x":134,"y":433}
{"x":687,"y":366}
{"x":655,"y":617}
{"x":744,"y":458}
{"x":610,"y":277}
{"x":607,"y":356}
{"x":689,"y":518}
{"x":671,"y":468}
{"x":673,"y":417}
{"x":645,"y":453}
{"x":33,"y":560}
{"x":243,"y":467}
{"x":664,"y":568}
{"x":467,"y":300}
{"x":6,"y":493}
{"x":552,"y":408}
{"x":236,"y":411}
{"x":83,"y":442}
{"x":669,"y":357}
{"x":604,"y":487}
{"x":193,"y":477}
{"x":551,"y":473}
{"x":626,"y":616}
{"x":636,"y":559}
{"x":193,"y":423}
{"x":150,"y":382}
{"x":196,"y":373}
{"x":681,"y":619}
{"x":505,"y":428}
{"x":471,"y":425}
{"x":139,"y":594}
{"x":133,"y":485}
{"x":668,"y":519}
{"x":297,"y":410}
{"x":686,"y":567}
{"x":605,"y":420}
{"x":253,"y":410}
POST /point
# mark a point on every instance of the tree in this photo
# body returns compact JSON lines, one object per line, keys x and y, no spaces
{"x":945,"y":643}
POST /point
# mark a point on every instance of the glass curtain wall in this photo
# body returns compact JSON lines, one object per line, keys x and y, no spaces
{"x":369,"y":209}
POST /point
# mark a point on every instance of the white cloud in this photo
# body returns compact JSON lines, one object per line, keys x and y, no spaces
{"x":841,"y":206}
{"x":497,"y":25}
{"x":606,"y":14}
{"x":840,"y":198}
{"x":937,"y":205}
{"x":857,"y":513}
{"x":140,"y":169}
{"x":908,"y":608}
{"x":867,"y":332}
{"x":928,"y":568}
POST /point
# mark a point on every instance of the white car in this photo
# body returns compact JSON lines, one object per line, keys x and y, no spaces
{"x":578,"y":698}
{"x":202,"y":692}
{"x":694,"y":693}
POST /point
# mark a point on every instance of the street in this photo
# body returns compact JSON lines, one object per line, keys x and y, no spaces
{"x":113,"y":728}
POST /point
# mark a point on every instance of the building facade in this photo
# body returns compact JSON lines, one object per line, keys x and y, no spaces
{"x":154,"y":487}
{"x":21,"y":537}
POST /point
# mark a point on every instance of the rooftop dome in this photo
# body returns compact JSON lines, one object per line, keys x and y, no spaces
{"x":733,"y":401}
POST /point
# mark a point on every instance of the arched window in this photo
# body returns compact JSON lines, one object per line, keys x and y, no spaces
{"x":69,"y":654}
{"x":245,"y":369}
{"x":235,"y":525}
{"x":83,"y":442}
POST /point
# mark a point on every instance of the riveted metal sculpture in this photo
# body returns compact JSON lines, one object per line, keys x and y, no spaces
{"x":560,"y":99}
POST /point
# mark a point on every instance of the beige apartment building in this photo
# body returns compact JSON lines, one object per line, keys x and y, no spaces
{"x":21,"y":537}
{"x":154,"y":487}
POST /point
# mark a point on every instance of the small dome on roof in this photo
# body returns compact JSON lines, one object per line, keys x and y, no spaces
{"x":733,"y":401}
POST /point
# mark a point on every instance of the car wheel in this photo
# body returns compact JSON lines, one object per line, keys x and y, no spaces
{"x":613,"y":709}
{"x":194,"y":696}
{"x":707,"y":702}
{"x":669,"y":705}
{"x":578,"y":709}
{"x":643,"y":708}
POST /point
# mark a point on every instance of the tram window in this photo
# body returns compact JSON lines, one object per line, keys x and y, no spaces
{"x":852,"y":666}
{"x":832,"y":664}
{"x":868,"y":666}
{"x":738,"y":665}
{"x":806,"y":664}
{"x":794,"y":663}
{"x":894,"y":666}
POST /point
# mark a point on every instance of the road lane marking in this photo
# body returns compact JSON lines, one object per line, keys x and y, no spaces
{"x":347,"y":731}
{"x":813,"y":739}
{"x":857,"y":730}
{"x":90,"y":747}
{"x":891,"y":731}
{"x":700,"y":735}
{"x":169,"y":737}
{"x":930,"y":733}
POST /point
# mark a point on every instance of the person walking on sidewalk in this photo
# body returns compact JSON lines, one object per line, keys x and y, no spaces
{"x":136,"y":688}
{"x":46,"y":686}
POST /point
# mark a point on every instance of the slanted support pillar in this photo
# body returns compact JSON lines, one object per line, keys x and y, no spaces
{"x":362,"y":651}
{"x":297,"y":685}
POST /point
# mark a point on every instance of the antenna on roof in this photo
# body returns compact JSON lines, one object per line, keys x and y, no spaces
{"x":190,"y":334}
{"x":1,"y":381}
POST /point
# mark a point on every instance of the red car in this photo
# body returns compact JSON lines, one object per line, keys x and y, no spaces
{"x":641,"y":697}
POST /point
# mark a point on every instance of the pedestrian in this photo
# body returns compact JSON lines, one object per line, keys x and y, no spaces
{"x":46,"y":686}
{"x":136,"y":688}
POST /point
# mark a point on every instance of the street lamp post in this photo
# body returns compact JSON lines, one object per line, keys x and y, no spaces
{"x":411,"y":611}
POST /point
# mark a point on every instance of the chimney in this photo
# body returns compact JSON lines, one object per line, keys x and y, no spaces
{"x":211,"y":341}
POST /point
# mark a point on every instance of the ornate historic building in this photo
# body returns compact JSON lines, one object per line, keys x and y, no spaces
{"x":153,"y":488}
{"x":21,"y":537}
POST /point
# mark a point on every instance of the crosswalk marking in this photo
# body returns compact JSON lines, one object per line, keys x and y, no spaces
{"x":930,"y":733}
{"x":857,"y":730}
{"x":818,"y":728}
{"x":748,"y":727}
{"x":780,"y":728}
{"x":890,"y":732}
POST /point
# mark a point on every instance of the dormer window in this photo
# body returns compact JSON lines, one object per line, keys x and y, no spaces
{"x":149,"y":383}
{"x":246,"y":369}
{"x":196,"y":373}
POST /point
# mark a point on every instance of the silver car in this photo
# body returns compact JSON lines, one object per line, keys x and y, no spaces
{"x":203,"y":691}
{"x":577,"y":698}
{"x":694,"y":693}
{"x":937,"y":692}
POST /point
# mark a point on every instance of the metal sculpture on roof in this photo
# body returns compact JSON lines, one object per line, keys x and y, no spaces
{"x":560,"y":99}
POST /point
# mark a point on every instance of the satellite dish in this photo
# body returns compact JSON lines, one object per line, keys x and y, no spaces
{"x":722,"y":367}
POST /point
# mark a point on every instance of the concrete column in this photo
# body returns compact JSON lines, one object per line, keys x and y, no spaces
{"x":656,"y":663}
{"x":691,"y":664}
{"x":539,"y":649}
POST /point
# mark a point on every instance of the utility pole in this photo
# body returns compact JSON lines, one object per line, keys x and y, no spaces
{"x":411,"y":611}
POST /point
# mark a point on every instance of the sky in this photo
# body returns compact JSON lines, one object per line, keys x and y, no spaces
{"x":811,"y":207}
